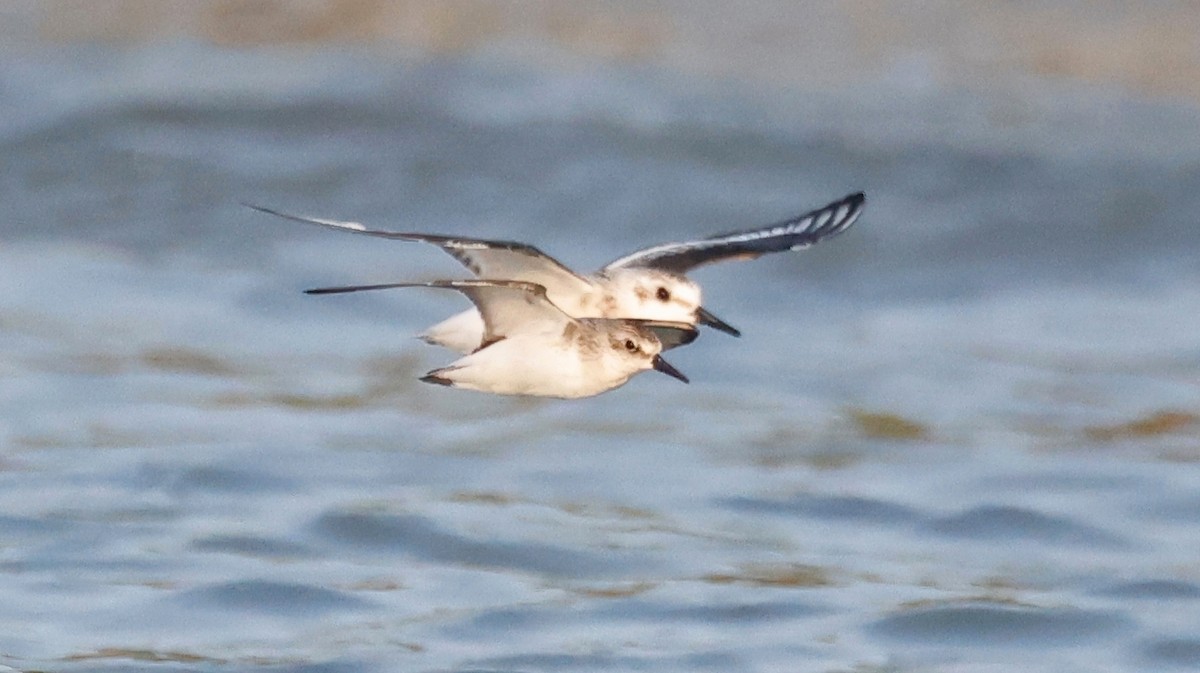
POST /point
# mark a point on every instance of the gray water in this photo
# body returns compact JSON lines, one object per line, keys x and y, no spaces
{"x":961,"y":437}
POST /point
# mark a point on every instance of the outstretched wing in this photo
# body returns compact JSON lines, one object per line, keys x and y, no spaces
{"x":353,"y":227}
{"x":794,"y":234}
{"x":507,"y":306}
{"x":486,"y":259}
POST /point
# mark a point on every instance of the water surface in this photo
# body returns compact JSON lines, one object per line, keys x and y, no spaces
{"x":961,"y":436}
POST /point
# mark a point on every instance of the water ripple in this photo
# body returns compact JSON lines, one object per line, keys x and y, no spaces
{"x":1181,"y":652}
{"x":251,"y":545}
{"x":275,"y":598}
{"x":418,"y":536}
{"x":1154,"y":590}
{"x":998,"y":626}
{"x":835,"y":507}
{"x":994,"y":522}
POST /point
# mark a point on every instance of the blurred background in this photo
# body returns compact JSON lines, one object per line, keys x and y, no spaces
{"x":961,"y":436}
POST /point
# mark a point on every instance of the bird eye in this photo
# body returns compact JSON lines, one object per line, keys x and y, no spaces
{"x":663,"y":294}
{"x":631,"y":346}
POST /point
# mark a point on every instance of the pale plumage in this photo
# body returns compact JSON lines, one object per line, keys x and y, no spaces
{"x":531,"y":347}
{"x":647,"y":284}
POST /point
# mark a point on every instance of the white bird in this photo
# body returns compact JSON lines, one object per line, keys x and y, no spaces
{"x":530,"y":347}
{"x":647,"y":284}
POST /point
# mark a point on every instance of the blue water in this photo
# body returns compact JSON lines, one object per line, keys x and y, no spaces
{"x":959,"y":437}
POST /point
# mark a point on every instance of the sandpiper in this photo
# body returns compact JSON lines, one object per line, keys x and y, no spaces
{"x":647,"y":284}
{"x":531,"y":347}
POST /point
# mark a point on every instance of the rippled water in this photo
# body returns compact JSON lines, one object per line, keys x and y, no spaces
{"x":960,"y":437}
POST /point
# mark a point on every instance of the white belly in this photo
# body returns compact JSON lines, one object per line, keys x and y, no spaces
{"x":522,"y":366}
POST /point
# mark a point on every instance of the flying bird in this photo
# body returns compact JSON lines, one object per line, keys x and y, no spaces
{"x":531,"y":347}
{"x":649,"y":284}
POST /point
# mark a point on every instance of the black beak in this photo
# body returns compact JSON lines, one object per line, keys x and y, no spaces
{"x":666,"y":368}
{"x":705,"y":318}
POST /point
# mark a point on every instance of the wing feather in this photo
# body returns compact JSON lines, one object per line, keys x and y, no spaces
{"x":794,"y":234}
{"x":485,"y":258}
{"x":508,"y":307}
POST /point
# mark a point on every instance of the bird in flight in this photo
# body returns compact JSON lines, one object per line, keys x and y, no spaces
{"x":648,"y":284}
{"x":530,"y":346}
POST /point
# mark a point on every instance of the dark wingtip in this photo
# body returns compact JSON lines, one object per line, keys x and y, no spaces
{"x":365,"y":288}
{"x":432,"y":377}
{"x":261,"y":209}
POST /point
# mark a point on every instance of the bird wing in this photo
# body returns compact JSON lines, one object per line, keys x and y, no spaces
{"x":485,"y":258}
{"x":794,"y":234}
{"x":507,"y":306}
